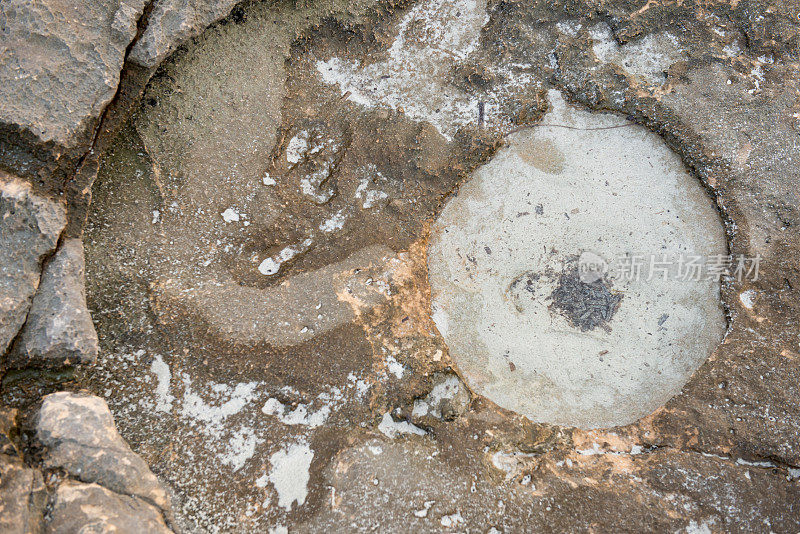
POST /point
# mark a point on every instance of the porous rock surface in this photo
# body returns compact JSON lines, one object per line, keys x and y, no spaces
{"x":60,"y":67}
{"x":59,"y":329}
{"x":294,"y":155}
{"x":78,"y":434}
{"x":29,"y":229}
{"x":346,"y":153}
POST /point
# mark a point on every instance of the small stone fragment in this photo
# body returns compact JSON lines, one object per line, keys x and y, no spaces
{"x":59,"y":330}
{"x":79,"y":436}
{"x":394,"y":429}
{"x":8,"y":430}
{"x":92,"y":508}
{"x":447,"y":399}
{"x":585,"y":305}
{"x":29,"y":230}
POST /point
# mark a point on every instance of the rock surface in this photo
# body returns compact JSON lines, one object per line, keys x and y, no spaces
{"x":79,"y":436}
{"x":291,"y":138}
{"x":591,"y":186}
{"x":60,"y":67}
{"x":173,"y":21}
{"x":29,"y":229}
{"x":8,"y":431}
{"x":91,"y":508}
{"x":662,"y":491}
{"x":22,"y":497}
{"x":448,"y":399}
{"x":278,"y":144}
{"x":59,"y":329}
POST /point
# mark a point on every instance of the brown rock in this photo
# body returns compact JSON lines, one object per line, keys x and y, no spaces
{"x":91,"y":508}
{"x":59,"y":329}
{"x":29,"y":230}
{"x":60,"y":67}
{"x":79,"y":436}
{"x":8,"y":430}
{"x":22,"y":497}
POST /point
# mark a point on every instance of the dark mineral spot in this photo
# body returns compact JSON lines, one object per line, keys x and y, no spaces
{"x":585,"y":305}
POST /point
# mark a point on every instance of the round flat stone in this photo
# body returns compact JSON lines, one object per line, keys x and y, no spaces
{"x":572,"y":276}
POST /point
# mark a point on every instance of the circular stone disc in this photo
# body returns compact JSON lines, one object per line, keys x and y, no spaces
{"x":525,"y":321}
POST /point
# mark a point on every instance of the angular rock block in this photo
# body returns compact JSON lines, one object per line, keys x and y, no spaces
{"x":22,"y":497}
{"x":79,"y":436}
{"x":92,"y":508}
{"x":173,"y":21}
{"x":60,"y":68}
{"x":59,"y":329}
{"x":29,"y":229}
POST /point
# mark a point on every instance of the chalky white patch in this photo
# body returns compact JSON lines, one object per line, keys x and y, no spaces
{"x":577,"y":182}
{"x":647,"y":58}
{"x":289,"y":474}
{"x":393,"y":429}
{"x":297,"y":147}
{"x":230,"y":215}
{"x":163,"y":376}
{"x":394,"y":367}
{"x":270,"y":266}
{"x":334,"y":222}
{"x":432,"y":37}
{"x":747,"y":298}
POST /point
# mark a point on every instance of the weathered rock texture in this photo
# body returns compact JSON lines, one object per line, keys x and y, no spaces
{"x":258,"y":163}
{"x":8,"y":430}
{"x":91,"y":508}
{"x":29,"y":229}
{"x":59,"y":329}
{"x":349,"y":125}
{"x":60,"y":64}
{"x":78,"y":435}
{"x":22,"y":497}
{"x":173,"y":21}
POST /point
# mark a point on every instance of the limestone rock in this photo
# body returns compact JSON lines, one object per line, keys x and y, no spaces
{"x":60,"y":67}
{"x":59,"y":330}
{"x":22,"y":497}
{"x":92,"y":508}
{"x":29,"y":230}
{"x":78,"y":433}
{"x":173,"y":21}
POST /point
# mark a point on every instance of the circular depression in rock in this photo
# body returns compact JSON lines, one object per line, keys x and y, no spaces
{"x":573,"y":275}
